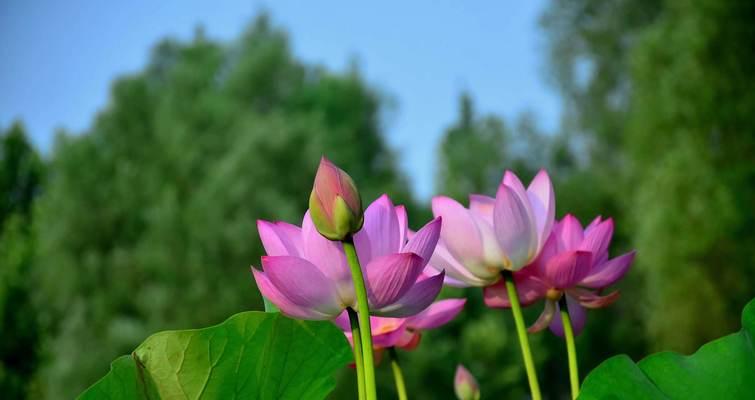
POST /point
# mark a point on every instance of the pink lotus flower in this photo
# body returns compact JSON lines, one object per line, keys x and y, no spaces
{"x":307,"y":276}
{"x":507,"y":232}
{"x":334,"y":204}
{"x":465,"y":385}
{"x":574,"y":262}
{"x":406,"y":333}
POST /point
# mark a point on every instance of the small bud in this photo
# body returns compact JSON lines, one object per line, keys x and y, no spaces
{"x":465,"y":385}
{"x":335,"y":205}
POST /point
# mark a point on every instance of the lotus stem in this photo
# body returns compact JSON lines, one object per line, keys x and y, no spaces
{"x":398,"y":376}
{"x":521,"y":330}
{"x":363,"y":310}
{"x":571,"y":349}
{"x":358,"y":359}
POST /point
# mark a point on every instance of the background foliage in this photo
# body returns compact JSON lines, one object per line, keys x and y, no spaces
{"x":146,"y":221}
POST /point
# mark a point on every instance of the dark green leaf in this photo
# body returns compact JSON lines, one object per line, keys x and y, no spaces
{"x":120,"y":383}
{"x":721,"y":369}
{"x":251,"y":355}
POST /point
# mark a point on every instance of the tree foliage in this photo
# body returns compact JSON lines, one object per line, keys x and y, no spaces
{"x":475,"y":149}
{"x":149,"y":219}
{"x":21,"y":175}
{"x":691,"y":144}
{"x":658,"y":99}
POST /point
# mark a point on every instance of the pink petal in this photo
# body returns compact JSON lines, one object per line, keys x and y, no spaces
{"x":566,"y":269}
{"x":543,"y":203}
{"x":303,"y":284}
{"x":424,"y":241}
{"x":280,"y":238}
{"x":387,"y":332}
{"x":270,"y":292}
{"x":577,"y":315}
{"x":327,"y":184}
{"x":458,"y":231}
{"x":608,"y":273}
{"x":342,"y":321}
{"x":418,"y":298}
{"x":569,"y":233}
{"x":390,"y":277}
{"x":483,"y":206}
{"x":529,"y":287}
{"x":327,"y":255}
{"x":403,"y":224}
{"x":592,"y":300}
{"x":496,"y":296}
{"x":449,"y":281}
{"x":512,"y":182}
{"x":409,"y":340}
{"x":595,"y":222}
{"x":381,"y":233}
{"x":491,"y":252}
{"x":545,"y":318}
{"x":331,"y":181}
{"x":514,"y":229}
{"x":598,"y":239}
{"x":457,"y":274}
{"x":549,"y":250}
{"x":439,"y":313}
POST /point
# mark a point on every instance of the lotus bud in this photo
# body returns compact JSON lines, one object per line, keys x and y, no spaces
{"x":335,"y":205}
{"x":465,"y":385}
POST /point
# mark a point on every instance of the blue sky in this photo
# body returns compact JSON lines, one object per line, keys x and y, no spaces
{"x":59,"y":58}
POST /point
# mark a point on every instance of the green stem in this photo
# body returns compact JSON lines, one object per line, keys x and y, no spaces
{"x":521,"y":330}
{"x":364,"y":319}
{"x":571,"y":349}
{"x":354,"y":319}
{"x":398,"y":376}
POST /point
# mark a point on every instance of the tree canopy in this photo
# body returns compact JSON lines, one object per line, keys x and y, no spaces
{"x":149,"y":217}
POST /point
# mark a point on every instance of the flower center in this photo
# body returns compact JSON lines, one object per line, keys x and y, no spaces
{"x":553,"y":294}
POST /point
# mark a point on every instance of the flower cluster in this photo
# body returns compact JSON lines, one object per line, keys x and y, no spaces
{"x":516,"y":231}
{"x":378,"y":280}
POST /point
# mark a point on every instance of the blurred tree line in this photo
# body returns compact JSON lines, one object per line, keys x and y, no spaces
{"x":21,"y":175}
{"x":146,"y":221}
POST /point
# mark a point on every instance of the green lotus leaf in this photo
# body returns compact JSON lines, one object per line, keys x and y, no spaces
{"x":252,"y":355}
{"x":721,"y":369}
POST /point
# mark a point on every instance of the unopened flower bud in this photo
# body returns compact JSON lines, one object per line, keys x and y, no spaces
{"x":465,"y":385}
{"x":334,"y":205}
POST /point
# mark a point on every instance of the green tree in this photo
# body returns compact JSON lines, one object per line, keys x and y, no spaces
{"x":475,"y":150}
{"x":691,"y":142}
{"x":21,"y":174}
{"x":589,"y":46}
{"x":471,"y":153}
{"x":149,"y":221}
{"x":659,"y":116}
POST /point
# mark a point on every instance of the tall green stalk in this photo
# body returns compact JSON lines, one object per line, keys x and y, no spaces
{"x":398,"y":376}
{"x":521,"y":330}
{"x":364,"y":319}
{"x":571,"y":348}
{"x":358,"y":359}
